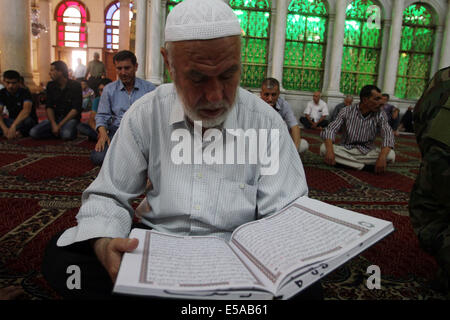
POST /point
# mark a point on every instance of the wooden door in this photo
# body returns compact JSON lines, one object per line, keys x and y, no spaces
{"x":64,"y":54}
{"x":109,"y":64}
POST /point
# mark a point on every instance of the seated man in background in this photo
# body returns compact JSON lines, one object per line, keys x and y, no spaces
{"x":429,"y":205}
{"x":19,"y":106}
{"x":393,"y":113}
{"x":88,"y":95}
{"x":316,"y":113}
{"x":88,"y":129}
{"x":360,"y":123}
{"x":116,"y":99}
{"x":407,"y":121}
{"x":270,"y":93}
{"x":348,"y":100}
{"x":203,"y":57}
{"x":63,"y":106}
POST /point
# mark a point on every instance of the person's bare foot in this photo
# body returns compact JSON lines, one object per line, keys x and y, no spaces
{"x":10,"y":293}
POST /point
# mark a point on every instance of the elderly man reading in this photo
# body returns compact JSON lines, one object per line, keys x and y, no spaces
{"x":202,"y":54}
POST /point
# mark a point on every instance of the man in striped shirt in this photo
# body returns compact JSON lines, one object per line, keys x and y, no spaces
{"x":360,"y":124}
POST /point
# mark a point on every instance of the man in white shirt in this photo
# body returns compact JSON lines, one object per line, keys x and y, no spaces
{"x":80,"y":71}
{"x":316,"y":113}
{"x":202,"y":55}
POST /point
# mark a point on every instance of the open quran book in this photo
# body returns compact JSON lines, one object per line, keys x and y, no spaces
{"x":274,"y":257}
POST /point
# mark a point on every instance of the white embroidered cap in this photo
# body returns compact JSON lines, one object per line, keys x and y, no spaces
{"x":201,"y":20}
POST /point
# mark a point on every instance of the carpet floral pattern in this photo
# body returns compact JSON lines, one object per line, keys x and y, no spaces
{"x":40,"y":192}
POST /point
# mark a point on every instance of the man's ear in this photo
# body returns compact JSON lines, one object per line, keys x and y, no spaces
{"x":165,"y":55}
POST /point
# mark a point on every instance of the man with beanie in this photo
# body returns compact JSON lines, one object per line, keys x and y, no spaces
{"x":202,"y":55}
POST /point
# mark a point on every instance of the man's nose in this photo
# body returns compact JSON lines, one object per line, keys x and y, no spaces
{"x":214,"y":90}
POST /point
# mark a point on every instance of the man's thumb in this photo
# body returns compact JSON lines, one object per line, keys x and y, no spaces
{"x":132,"y":244}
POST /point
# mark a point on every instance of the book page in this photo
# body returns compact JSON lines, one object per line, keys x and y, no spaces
{"x":202,"y":263}
{"x":297,"y":236}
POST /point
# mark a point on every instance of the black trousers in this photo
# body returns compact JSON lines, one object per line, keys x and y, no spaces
{"x":307,"y":125}
{"x":95,"y":281}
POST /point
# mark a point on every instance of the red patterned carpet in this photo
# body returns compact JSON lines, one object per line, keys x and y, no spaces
{"x":40,"y":191}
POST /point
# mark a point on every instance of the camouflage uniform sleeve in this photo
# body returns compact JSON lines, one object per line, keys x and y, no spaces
{"x":429,"y":204}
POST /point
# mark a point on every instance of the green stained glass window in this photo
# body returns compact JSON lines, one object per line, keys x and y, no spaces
{"x":416,"y":51}
{"x":305,"y":46}
{"x":170,"y":5}
{"x":362,"y":47}
{"x":254,"y":17}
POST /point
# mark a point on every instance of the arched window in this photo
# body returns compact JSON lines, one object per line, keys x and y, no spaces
{"x":71,"y":30}
{"x":306,"y":42}
{"x":416,"y":51}
{"x":254,"y":17}
{"x":362,"y":47}
{"x":112,"y":23}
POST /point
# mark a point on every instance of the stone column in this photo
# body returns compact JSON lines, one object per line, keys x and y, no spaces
{"x":383,"y":53}
{"x":279,"y":40}
{"x":124,"y":27}
{"x":327,"y":52}
{"x":391,"y":66}
{"x":44,"y":42}
{"x":15,"y":39}
{"x":445,"y":49}
{"x":336,"y":49}
{"x":141,"y":36}
{"x":154,"y":43}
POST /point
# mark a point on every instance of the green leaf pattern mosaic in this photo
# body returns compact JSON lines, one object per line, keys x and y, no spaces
{"x":416,"y":51}
{"x":362,"y":47}
{"x":305,"y":45}
{"x":254,"y":17}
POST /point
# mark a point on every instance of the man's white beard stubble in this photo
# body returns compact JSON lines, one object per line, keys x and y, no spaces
{"x":207,"y":123}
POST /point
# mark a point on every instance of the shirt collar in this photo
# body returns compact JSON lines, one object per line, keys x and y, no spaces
{"x":370,"y":114}
{"x":278,"y":105}
{"x":137,"y":84}
{"x":15,"y":95}
{"x":177,"y":115}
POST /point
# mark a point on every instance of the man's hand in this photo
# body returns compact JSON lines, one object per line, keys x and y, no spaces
{"x":102,"y":139}
{"x":11,"y":133}
{"x":10,"y":293}
{"x":329,"y":157}
{"x":55,"y":129}
{"x":313,"y":124}
{"x":109,"y":251}
{"x":380,"y":165}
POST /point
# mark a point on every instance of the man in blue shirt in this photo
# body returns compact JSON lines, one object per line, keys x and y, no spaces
{"x":117,"y":97}
{"x":270,"y":93}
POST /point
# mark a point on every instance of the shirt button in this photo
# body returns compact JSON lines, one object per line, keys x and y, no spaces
{"x":197,"y":207}
{"x":199,"y":176}
{"x":242,"y":186}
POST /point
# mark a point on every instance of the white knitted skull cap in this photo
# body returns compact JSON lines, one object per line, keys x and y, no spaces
{"x":201,"y":20}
